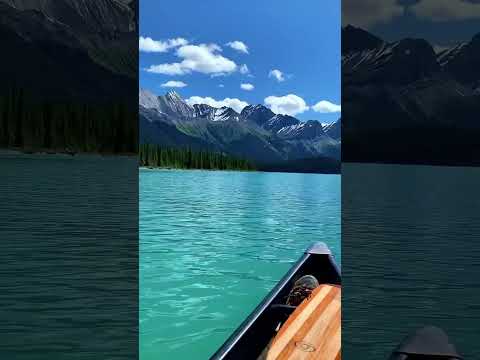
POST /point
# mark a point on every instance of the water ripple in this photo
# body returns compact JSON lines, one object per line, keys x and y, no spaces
{"x":68,"y":262}
{"x":411,"y":256}
{"x":212,"y":244}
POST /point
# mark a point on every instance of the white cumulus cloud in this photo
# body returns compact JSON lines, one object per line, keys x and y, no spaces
{"x":326,"y":107}
{"x":203,"y":58}
{"x":247,"y":87}
{"x":167,"y":69}
{"x":277,"y":74}
{"x":147,"y":44}
{"x":239,"y":46}
{"x":290,"y":104}
{"x":235,"y":104}
{"x":174,"y":84}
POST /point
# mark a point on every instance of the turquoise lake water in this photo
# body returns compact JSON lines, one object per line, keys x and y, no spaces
{"x":212,"y":244}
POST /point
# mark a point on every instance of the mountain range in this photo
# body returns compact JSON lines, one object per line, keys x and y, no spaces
{"x":402,"y":102}
{"x":69,"y":75}
{"x":256,"y":133}
{"x":86,"y":49}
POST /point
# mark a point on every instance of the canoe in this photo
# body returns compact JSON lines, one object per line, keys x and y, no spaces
{"x":427,"y":343}
{"x":313,"y":331}
{"x":255,"y":333}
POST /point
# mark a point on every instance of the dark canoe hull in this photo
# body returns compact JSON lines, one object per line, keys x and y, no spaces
{"x":254,"y":334}
{"x":428,"y":343}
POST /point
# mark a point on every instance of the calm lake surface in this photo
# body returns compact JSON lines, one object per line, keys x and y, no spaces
{"x":411,"y":256}
{"x":212,"y":244}
{"x":69,"y":257}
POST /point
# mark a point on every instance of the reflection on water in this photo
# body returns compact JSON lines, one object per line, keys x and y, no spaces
{"x":411,"y":256}
{"x":212,"y":244}
{"x":69,"y":257}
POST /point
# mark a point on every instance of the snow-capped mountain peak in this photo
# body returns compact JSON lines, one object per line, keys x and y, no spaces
{"x":202,"y":110}
{"x":310,"y":129}
{"x":259,"y":114}
{"x":226,"y":113}
{"x":334,"y":130}
{"x":279,"y":121}
{"x":461,"y":61}
{"x":446,"y":55}
{"x":148,"y":100}
{"x":173,"y":104}
{"x":223,"y":113}
{"x":173,"y":96}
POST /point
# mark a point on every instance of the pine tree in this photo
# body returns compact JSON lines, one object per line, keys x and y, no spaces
{"x":186,"y":158}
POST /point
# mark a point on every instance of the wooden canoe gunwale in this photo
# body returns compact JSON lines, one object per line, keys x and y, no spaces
{"x":255,"y":332}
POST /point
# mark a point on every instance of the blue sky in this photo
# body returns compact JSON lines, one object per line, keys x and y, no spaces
{"x":193,"y":42}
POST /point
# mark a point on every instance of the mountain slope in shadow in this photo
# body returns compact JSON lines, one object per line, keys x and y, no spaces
{"x":403,"y":103}
{"x":85,"y":49}
{"x":69,"y":77}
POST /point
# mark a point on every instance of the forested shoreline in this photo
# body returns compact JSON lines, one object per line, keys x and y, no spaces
{"x":185,"y":158}
{"x":33,"y":125}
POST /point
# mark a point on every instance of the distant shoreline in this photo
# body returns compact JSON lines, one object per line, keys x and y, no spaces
{"x":193,"y":169}
{"x":40,"y":152}
{"x":230,"y":170}
{"x":19,"y":151}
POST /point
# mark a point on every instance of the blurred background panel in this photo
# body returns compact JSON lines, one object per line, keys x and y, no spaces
{"x":410,"y":204}
{"x":69,"y":179}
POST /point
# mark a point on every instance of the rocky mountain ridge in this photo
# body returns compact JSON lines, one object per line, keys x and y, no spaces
{"x":255,"y":133}
{"x":84,"y":49}
{"x":403,"y":102}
